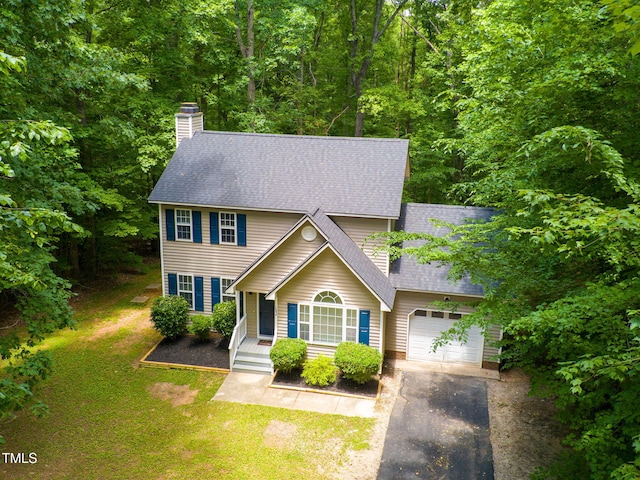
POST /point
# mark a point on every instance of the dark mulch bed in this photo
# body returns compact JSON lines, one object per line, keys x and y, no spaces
{"x":342,"y":385}
{"x":189,"y":350}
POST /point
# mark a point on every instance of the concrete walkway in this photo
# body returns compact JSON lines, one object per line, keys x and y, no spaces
{"x":254,"y":389}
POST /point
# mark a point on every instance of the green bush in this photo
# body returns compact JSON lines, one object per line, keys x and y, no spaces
{"x":170,"y":315}
{"x":224,"y":318}
{"x":358,"y":362}
{"x":200,"y":326}
{"x":320,"y":371}
{"x":288,"y":353}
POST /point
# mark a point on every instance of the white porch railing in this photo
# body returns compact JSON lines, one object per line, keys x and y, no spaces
{"x":239,"y":334}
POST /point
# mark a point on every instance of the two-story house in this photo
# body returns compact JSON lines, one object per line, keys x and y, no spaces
{"x":279,"y":223}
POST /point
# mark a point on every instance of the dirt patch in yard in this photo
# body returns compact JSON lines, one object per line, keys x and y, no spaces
{"x":177,"y":395}
{"x":524,"y":433}
{"x":138,"y":319}
{"x":279,"y":434}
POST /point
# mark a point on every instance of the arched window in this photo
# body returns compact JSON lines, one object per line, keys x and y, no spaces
{"x":327,"y":320}
{"x":327,"y":297}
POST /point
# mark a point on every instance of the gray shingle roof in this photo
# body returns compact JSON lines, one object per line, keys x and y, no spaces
{"x":407,"y":274}
{"x":348,"y":176}
{"x":359,"y":262}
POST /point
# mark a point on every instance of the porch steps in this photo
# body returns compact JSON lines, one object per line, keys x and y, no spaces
{"x":252,"y":359}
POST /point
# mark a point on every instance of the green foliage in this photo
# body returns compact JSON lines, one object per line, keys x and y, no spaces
{"x":319,"y":372}
{"x":288,"y":354}
{"x":37,"y":197}
{"x":626,"y":14}
{"x":538,"y":92}
{"x":357,"y":362}
{"x":170,"y":315}
{"x":224,"y":318}
{"x":200,"y":326}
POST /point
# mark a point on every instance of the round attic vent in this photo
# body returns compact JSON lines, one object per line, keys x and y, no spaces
{"x":309,"y":233}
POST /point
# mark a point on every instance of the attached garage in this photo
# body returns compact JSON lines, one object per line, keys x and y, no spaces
{"x":426,"y":325}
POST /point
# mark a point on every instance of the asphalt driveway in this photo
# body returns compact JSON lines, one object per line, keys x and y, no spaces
{"x":439,"y":429}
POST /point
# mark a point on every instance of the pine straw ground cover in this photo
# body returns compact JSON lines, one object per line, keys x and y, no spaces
{"x":111,"y":419}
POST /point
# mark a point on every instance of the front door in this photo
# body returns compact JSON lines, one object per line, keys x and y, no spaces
{"x":265,"y":316}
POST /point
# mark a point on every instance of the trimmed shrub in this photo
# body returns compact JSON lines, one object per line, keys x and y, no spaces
{"x":170,"y":315}
{"x":357,"y":362}
{"x":200,"y":326}
{"x":224,"y":318}
{"x":320,"y":371}
{"x":288,"y":353}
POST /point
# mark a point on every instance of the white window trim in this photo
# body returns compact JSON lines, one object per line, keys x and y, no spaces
{"x":342,"y":306}
{"x":190,"y":239}
{"x":230,"y":296}
{"x":192,"y":291}
{"x":235,"y":228}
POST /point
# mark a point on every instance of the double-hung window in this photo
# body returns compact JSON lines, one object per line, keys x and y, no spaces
{"x":228,"y":228}
{"x":183,"y":224}
{"x":327,"y":320}
{"x":185,"y":288}
{"x":226,"y":296}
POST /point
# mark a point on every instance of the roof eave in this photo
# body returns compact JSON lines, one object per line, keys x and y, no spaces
{"x":272,"y":210}
{"x":439,"y":292}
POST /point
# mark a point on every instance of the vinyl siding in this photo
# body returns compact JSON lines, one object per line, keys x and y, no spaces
{"x":397,"y":327}
{"x":187,"y":125}
{"x":225,"y":261}
{"x":293,"y":251}
{"x":359,"y":229}
{"x":327,"y":272}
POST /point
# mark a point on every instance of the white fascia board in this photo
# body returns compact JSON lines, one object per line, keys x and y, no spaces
{"x":271,"y":210}
{"x":223,"y":207}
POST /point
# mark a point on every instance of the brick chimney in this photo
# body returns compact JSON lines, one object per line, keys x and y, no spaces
{"x":188,"y":121}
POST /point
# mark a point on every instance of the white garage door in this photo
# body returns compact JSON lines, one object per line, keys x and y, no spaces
{"x":426,"y":326}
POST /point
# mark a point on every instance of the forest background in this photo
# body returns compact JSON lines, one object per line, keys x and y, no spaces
{"x":532,"y":108}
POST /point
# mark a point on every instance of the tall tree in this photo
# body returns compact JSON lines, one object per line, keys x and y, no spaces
{"x":367,"y":29}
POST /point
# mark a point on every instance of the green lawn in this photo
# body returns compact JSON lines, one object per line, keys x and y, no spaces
{"x":111,"y":419}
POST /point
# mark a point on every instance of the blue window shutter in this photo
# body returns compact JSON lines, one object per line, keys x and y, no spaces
{"x":242,"y":229}
{"x":199,"y":297}
{"x":171,"y":224}
{"x":241,"y":304}
{"x":213,"y":228}
{"x":173,"y":284}
{"x":196,"y":218}
{"x":363,"y":331}
{"x":292,"y":320}
{"x":215,"y":291}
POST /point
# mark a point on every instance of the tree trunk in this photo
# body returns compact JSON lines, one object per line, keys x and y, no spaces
{"x":247,"y":49}
{"x":359,"y":75}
